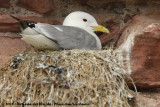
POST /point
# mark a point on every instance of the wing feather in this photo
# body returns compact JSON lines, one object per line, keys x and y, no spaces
{"x":67,"y":37}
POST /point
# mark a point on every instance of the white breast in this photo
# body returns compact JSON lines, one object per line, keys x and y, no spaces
{"x":39,"y":41}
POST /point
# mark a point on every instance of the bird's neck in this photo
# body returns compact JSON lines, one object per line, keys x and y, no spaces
{"x":90,"y":31}
{"x":99,"y":45}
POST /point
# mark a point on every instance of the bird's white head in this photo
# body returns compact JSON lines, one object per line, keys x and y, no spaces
{"x":85,"y":21}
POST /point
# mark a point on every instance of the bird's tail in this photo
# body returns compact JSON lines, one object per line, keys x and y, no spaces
{"x":23,"y":24}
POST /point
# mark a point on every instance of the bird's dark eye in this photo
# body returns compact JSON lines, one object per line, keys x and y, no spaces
{"x":85,"y":20}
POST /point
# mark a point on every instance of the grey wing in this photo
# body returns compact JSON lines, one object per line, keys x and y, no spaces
{"x":67,"y":37}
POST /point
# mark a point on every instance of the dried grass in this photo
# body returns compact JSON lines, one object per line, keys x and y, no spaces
{"x":66,"y":77}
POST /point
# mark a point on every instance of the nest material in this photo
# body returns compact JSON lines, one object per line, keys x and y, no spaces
{"x":95,"y":78}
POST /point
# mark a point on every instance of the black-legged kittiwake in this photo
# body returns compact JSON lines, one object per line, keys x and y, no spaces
{"x":77,"y":32}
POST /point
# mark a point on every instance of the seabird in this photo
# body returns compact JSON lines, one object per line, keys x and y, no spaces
{"x":77,"y":32}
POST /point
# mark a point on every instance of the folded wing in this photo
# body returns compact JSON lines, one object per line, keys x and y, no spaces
{"x":67,"y":37}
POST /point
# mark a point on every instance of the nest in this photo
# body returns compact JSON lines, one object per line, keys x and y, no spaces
{"x":69,"y":77}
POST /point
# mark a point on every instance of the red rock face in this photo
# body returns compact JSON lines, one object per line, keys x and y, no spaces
{"x":8,"y":24}
{"x":81,"y":1}
{"x":5,"y":3}
{"x":145,"y":0}
{"x":146,"y":99}
{"x":141,"y":41}
{"x":110,"y":22}
{"x":40,"y":6}
{"x":114,"y":32}
{"x":10,"y":46}
{"x":85,"y":1}
{"x":146,"y":54}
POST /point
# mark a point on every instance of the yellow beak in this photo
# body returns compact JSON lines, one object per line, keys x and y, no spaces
{"x":100,"y":28}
